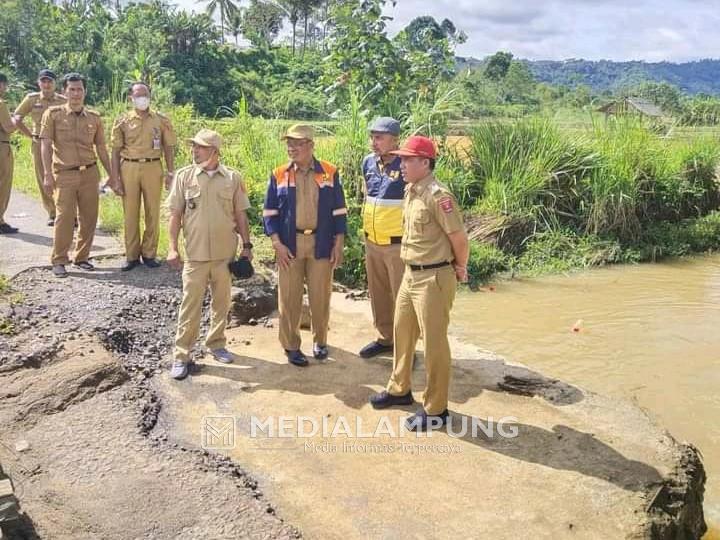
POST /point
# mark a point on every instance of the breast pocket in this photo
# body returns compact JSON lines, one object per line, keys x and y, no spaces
{"x":87,"y":133}
{"x":192,"y":198}
{"x":420,"y":220}
{"x":225,"y":196}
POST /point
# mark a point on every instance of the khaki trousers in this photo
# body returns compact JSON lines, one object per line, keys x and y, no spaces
{"x":47,"y":200}
{"x":143,"y":182}
{"x":317,"y":274}
{"x":196,"y":278}
{"x":76,"y":195}
{"x":423,"y":306}
{"x":384,"y":272}
{"x":6,"y":178}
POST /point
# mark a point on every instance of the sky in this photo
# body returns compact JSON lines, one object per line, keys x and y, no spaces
{"x":650,"y":30}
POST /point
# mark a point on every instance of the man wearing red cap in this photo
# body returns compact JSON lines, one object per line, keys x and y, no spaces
{"x":435,"y":252}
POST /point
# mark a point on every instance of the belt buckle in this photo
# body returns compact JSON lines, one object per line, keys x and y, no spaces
{"x":142,"y":160}
{"x":82,"y":167}
{"x":307,"y":232}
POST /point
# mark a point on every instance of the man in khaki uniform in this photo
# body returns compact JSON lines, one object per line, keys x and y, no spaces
{"x":305,"y":216}
{"x":139,"y":138}
{"x":6,"y":158}
{"x":435,"y":252}
{"x":70,"y":135}
{"x":35,"y":104}
{"x":209,"y":201}
{"x":384,"y":189}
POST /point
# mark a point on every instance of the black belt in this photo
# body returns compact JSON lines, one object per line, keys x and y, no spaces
{"x":393,"y":239}
{"x":81,"y":167}
{"x":142,"y":160}
{"x":306,"y":232}
{"x":6,"y":142}
{"x":428,"y":266}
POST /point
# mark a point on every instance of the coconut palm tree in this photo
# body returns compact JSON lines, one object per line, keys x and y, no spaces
{"x":226,"y":8}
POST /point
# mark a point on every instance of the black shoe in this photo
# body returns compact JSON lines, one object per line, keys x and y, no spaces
{"x":85,"y":265}
{"x":373,"y":349}
{"x":129,"y":265}
{"x":422,"y":421}
{"x":58,"y":270}
{"x":296,"y":358}
{"x":383,"y":400}
{"x":320,"y":352}
{"x":151,"y":263}
{"x":51,"y":221}
{"x":7,"y":229}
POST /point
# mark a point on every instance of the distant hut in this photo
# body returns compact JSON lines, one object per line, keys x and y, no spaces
{"x":633,"y":106}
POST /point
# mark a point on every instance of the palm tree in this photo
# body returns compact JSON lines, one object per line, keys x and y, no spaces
{"x":235,"y":23}
{"x":226,"y":9}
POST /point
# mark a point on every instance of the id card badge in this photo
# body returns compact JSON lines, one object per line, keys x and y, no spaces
{"x":156,"y":143}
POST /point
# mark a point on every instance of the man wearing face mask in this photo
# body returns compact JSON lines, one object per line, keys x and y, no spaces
{"x":209,"y":201}
{"x":139,"y":139}
{"x":35,"y":104}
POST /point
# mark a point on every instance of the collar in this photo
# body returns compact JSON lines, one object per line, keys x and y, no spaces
{"x":316,"y":166}
{"x":68,"y":110}
{"x":392,"y":166}
{"x":421,"y":185}
{"x":221,"y":170}
{"x":134,"y":114}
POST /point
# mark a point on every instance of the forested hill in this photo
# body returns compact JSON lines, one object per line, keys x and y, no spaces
{"x":692,"y":77}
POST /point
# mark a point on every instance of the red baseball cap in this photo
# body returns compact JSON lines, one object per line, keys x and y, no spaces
{"x":417,"y":146}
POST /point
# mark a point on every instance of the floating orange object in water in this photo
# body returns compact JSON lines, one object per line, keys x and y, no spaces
{"x":577,"y":326}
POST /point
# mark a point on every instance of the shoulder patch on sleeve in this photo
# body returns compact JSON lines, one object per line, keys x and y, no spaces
{"x":446,"y":204}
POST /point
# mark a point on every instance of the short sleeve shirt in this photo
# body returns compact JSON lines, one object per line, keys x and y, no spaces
{"x":207,"y":204}
{"x":430,"y":214}
{"x":6,"y":125}
{"x":35,"y":105}
{"x":138,"y":136}
{"x":73,"y":135}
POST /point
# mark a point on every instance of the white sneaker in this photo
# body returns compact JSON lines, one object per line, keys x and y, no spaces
{"x":223,"y":355}
{"x":179,"y":370}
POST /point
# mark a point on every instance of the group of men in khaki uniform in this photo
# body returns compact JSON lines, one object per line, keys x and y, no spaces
{"x":412,"y":282}
{"x":68,"y":139}
{"x":416,"y":245}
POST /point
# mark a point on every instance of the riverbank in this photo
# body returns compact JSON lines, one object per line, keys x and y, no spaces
{"x":94,"y":366}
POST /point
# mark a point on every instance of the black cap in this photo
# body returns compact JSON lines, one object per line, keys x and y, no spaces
{"x":46,"y":74}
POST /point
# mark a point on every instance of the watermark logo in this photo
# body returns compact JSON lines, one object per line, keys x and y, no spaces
{"x":218,"y":432}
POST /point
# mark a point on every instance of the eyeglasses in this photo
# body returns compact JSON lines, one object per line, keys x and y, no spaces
{"x":296,"y":143}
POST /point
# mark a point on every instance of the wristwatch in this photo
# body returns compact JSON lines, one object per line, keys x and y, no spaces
{"x":247,"y":245}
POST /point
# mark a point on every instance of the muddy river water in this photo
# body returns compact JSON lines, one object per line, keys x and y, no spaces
{"x":647,"y":333}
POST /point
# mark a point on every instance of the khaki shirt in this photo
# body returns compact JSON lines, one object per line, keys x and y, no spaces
{"x":207,"y":204}
{"x":307,"y":193}
{"x":430,"y":213}
{"x":74,"y":136}
{"x":6,"y":125}
{"x":139,"y":137}
{"x":35,"y":105}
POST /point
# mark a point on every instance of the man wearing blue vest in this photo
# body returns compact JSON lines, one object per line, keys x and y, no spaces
{"x":305,"y":216}
{"x":382,"y":224}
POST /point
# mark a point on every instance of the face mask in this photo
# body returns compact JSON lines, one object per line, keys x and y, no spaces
{"x":141,"y":103}
{"x":204,"y":165}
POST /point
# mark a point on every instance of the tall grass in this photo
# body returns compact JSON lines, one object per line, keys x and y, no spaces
{"x":528,"y":170}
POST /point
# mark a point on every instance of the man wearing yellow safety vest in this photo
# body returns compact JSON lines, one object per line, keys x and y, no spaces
{"x":383,"y":227}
